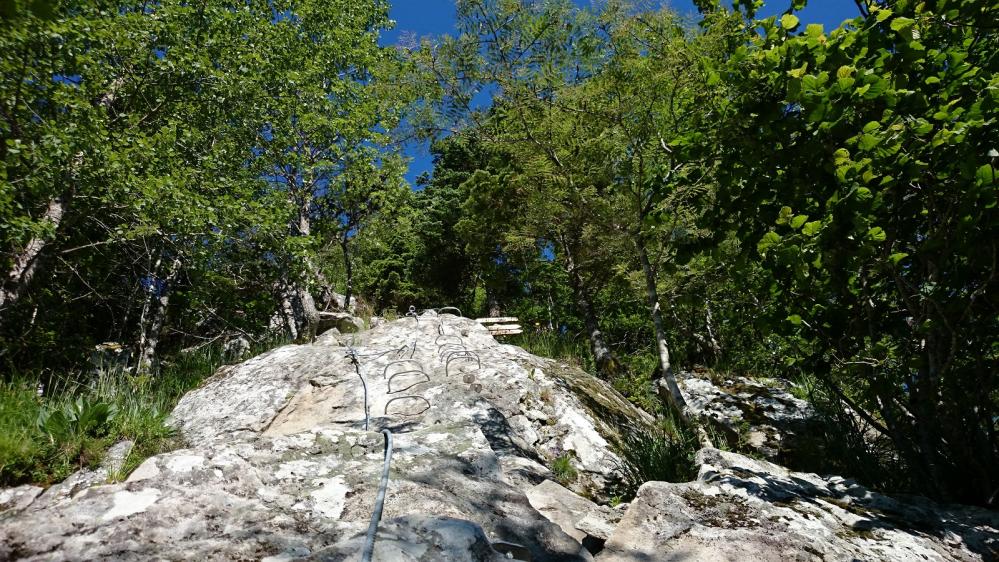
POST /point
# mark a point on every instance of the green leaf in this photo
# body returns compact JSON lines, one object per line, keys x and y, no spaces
{"x":797,"y":221}
{"x":784,"y":215}
{"x":811,"y":228}
{"x":769,"y":240}
{"x":897,"y":257}
{"x":872,"y":126}
{"x":900,"y":24}
{"x":789,"y":21}
{"x":882,"y":14}
{"x":877,"y":234}
{"x":868,"y":142}
{"x":986,"y":175}
{"x":794,"y":319}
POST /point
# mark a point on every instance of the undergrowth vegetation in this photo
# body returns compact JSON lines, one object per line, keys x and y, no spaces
{"x":52,"y":425}
{"x":663,"y":453}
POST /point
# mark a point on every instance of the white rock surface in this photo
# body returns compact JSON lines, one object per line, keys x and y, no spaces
{"x":760,"y":415}
{"x":744,"y":509}
{"x":280,"y":466}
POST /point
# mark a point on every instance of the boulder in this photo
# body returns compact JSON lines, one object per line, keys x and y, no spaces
{"x":306,"y":495}
{"x":236,"y":348}
{"x":580,"y":518}
{"x":283,"y":461}
{"x":755,"y":415}
{"x":528,"y":407}
{"x":344,"y":322}
{"x":745,"y":509}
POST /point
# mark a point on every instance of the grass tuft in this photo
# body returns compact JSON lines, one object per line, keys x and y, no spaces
{"x":52,"y":426}
{"x":563,"y":470}
{"x":554,"y":346}
{"x":664,"y":452}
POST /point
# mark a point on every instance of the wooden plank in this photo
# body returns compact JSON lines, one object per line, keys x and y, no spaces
{"x":506,"y":332}
{"x":497,"y":320}
{"x":495,"y":327}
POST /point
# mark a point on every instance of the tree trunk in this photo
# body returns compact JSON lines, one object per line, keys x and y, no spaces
{"x":297,"y":305}
{"x":492,"y":303}
{"x":299,"y":312}
{"x":349,"y":271}
{"x":607,"y":363}
{"x":652,"y":293}
{"x":26,"y":261}
{"x":716,"y":349}
{"x":306,"y":315}
{"x":288,"y":311}
{"x":153,"y":315}
{"x":673,"y":394}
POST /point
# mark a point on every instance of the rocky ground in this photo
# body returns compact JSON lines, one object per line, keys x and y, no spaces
{"x":280,"y":467}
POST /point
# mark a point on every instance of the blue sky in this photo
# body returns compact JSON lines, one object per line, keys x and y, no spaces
{"x":436,"y":17}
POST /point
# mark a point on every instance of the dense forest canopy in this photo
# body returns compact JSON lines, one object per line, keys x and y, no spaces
{"x":754,"y":195}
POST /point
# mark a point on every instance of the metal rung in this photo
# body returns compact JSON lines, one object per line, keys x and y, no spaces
{"x":462,"y":354}
{"x":385,"y":411}
{"x":437,"y":340}
{"x":445,"y":349}
{"x":419,"y":367}
{"x":409,"y":372}
{"x":455,"y":308}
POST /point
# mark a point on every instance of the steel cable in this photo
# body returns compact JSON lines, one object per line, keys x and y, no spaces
{"x":376,"y":515}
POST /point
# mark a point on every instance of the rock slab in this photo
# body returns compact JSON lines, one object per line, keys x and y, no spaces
{"x":745,"y":509}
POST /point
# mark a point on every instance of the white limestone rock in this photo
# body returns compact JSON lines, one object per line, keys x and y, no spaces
{"x":745,"y":509}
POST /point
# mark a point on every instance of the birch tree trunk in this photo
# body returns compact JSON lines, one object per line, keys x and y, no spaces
{"x":297,"y":305}
{"x":672,"y":394}
{"x":662,"y":349}
{"x":26,"y":261}
{"x":716,"y":349}
{"x":153,"y":316}
{"x":288,"y":311}
{"x":348,"y":270}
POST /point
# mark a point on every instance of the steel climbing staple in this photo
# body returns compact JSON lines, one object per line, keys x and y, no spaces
{"x":461,"y":355}
{"x":437,"y":340}
{"x":448,"y":348}
{"x":409,"y":372}
{"x":385,"y":411}
{"x":391,"y":364}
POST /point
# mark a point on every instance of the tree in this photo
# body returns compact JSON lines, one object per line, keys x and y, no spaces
{"x":324,"y":120}
{"x":367,"y":184}
{"x":137,"y":145}
{"x":863,"y":161}
{"x":652,"y":97}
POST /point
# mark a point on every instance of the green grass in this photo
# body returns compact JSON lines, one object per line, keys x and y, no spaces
{"x":44,"y":439}
{"x":554,"y":346}
{"x":563,"y":470}
{"x":663,"y":453}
